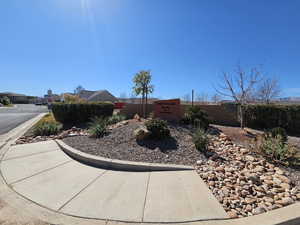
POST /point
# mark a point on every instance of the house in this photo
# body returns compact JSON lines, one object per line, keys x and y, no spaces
{"x":15,"y":98}
{"x":97,"y":96}
{"x":50,"y":97}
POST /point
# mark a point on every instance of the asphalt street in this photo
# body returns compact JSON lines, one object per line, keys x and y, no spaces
{"x":14,"y":116}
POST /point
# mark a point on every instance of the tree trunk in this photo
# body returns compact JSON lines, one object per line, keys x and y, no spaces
{"x":141,"y":108}
{"x":241,"y":115}
{"x":146,"y":103}
{"x":143,"y":105}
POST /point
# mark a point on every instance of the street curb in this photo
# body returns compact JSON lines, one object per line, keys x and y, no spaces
{"x":114,"y":164}
{"x":5,"y":107}
{"x":14,"y":134}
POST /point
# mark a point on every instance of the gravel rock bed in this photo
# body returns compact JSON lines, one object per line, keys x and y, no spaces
{"x":245,"y":183}
{"x":293,"y":174}
{"x":27,"y":139}
{"x":121,"y":144}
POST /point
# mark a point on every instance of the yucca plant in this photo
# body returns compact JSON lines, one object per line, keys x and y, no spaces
{"x":115,"y":119}
{"x":201,"y":140}
{"x":47,"y":129}
{"x":98,"y":127}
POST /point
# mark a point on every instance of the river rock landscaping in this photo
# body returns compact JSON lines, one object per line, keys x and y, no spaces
{"x":244,"y":182}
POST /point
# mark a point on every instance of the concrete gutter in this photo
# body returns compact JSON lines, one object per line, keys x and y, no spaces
{"x":8,"y":107}
{"x":114,"y":164}
{"x":17,"y":132}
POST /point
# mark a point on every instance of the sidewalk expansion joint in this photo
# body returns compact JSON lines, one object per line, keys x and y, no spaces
{"x":24,"y":156}
{"x":147,"y":187}
{"x":46,"y":170}
{"x":89,"y":184}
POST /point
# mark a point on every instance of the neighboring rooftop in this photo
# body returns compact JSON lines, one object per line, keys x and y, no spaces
{"x":10,"y":94}
{"x":101,"y":95}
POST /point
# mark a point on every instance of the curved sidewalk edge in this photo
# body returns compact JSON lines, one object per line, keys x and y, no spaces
{"x":16,"y":208}
{"x":114,"y":164}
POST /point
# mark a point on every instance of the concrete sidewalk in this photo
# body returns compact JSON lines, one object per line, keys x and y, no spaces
{"x":42,"y":173}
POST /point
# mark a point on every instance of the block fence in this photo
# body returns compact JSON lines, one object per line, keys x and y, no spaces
{"x":226,"y":114}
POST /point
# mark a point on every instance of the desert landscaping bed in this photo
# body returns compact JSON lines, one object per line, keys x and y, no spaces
{"x":121,"y":144}
{"x":244,"y":182}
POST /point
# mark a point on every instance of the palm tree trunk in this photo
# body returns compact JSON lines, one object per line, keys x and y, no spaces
{"x":146,"y":103}
{"x":143,"y":105}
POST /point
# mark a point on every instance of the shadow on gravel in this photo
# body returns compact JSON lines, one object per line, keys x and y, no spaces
{"x":165,"y":145}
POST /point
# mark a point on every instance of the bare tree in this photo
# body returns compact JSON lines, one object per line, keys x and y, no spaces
{"x":216,"y":98}
{"x":240,"y":86}
{"x":202,"y":97}
{"x":186,"y":98}
{"x":132,"y":97}
{"x":268,"y":90}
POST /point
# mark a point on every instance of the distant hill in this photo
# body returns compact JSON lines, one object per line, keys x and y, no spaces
{"x":290,"y":99}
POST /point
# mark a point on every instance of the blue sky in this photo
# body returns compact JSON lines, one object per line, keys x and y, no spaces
{"x":101,"y":44}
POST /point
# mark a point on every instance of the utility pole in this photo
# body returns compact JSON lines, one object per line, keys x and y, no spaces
{"x":192,"y":97}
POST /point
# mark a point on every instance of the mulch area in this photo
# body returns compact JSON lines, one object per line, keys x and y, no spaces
{"x":121,"y":144}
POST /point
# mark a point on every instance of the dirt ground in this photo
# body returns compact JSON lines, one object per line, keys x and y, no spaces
{"x":10,"y":216}
{"x":247,"y":136}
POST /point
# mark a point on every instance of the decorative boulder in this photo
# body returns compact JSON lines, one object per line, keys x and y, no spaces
{"x":141,"y":133}
{"x":137,"y":117}
{"x":119,"y":124}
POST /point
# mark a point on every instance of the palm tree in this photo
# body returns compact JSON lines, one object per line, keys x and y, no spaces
{"x":143,"y":87}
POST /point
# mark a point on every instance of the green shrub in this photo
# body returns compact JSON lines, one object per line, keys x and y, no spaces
{"x":277,"y":132}
{"x":47,"y":129}
{"x":47,"y":126}
{"x":201,"y":140}
{"x":196,"y":117}
{"x":115,"y":119}
{"x":48,"y":118}
{"x":151,"y":115}
{"x":270,"y":116}
{"x":5,"y":100}
{"x":276,"y":150}
{"x":98,"y":127}
{"x":76,"y":113}
{"x":158,"y":128}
